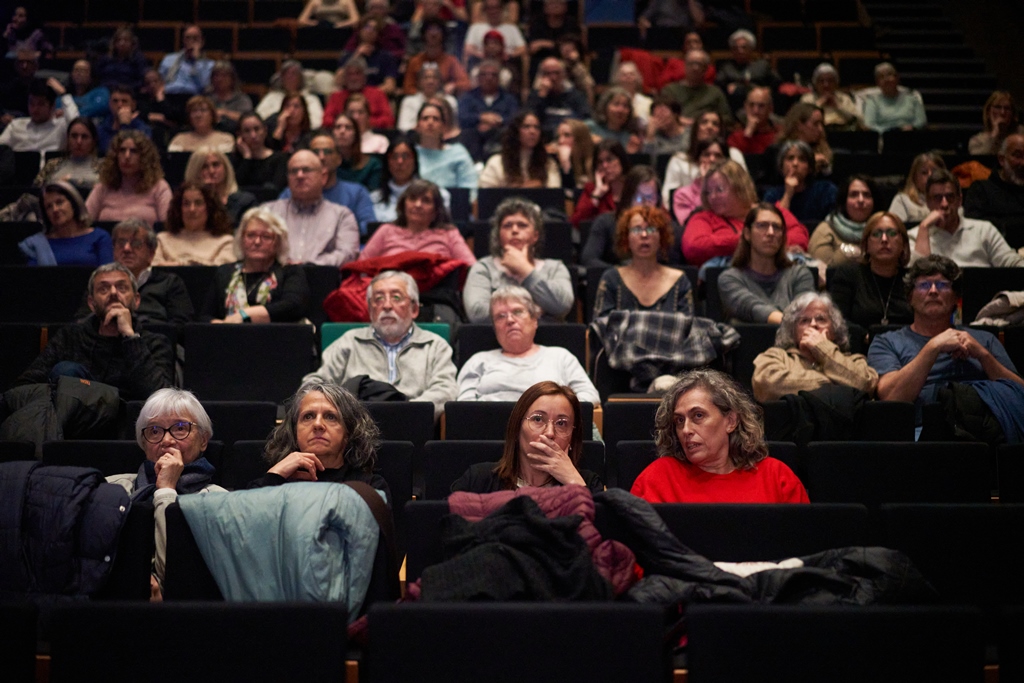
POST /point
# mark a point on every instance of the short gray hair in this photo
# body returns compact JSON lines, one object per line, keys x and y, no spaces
{"x":743,"y":33}
{"x":172,"y":401}
{"x":132,"y":226}
{"x":785,"y":337}
{"x":410,"y":285}
{"x":113,"y":267}
{"x":272,"y":221}
{"x":356,"y":61}
{"x":511,"y":207}
{"x":805,"y":151}
{"x":821,"y":70}
{"x":517,"y":294}
{"x":884,"y":68}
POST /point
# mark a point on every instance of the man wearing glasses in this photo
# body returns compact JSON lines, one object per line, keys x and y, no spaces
{"x":393,"y":349}
{"x":915,"y":362}
{"x":969,"y":242}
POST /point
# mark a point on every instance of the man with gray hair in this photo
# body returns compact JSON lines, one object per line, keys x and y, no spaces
{"x":1000,"y":198}
{"x":393,"y":349}
{"x":738,"y":74}
{"x":693,"y":94}
{"x":107,"y":346}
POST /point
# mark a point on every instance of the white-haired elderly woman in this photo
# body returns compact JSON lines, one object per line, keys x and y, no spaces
{"x":812,"y":350}
{"x":173,"y":430}
{"x":841,"y":111}
{"x":892,"y":107}
{"x":743,"y":70}
{"x":326,"y":435}
{"x":504,"y":374}
{"x":261,"y":287}
{"x":517,"y":234}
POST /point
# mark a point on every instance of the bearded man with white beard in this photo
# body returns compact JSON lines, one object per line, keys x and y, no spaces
{"x":393,"y":349}
{"x":1000,"y":198}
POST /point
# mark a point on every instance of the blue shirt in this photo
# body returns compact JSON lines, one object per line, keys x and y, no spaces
{"x":105,"y":130}
{"x":353,"y":197}
{"x":191,"y":77}
{"x":393,"y":351}
{"x":472,"y":105}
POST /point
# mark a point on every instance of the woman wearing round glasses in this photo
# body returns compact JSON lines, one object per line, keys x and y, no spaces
{"x":261,"y":287}
{"x":642,"y":234}
{"x":173,"y":429}
{"x":504,"y":374}
{"x":871,"y":292}
{"x":543,"y":444}
{"x":812,"y":350}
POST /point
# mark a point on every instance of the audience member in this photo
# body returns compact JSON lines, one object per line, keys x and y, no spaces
{"x":81,"y":165}
{"x":430,"y":13}
{"x":665,"y":134}
{"x":602,"y":194}
{"x":687,"y":199}
{"x":228,"y":99}
{"x":806,"y":122}
{"x":684,"y":166}
{"x":812,"y":350}
{"x":198,"y":230}
{"x":515,"y":43}
{"x":628,"y":77}
{"x":448,"y":165}
{"x":570,"y":51}
{"x":391,"y":37}
{"x":573,"y":148}
{"x":969,"y":242}
{"x":393,"y":349}
{"x":600,"y":249}
{"x":642,"y":234}
{"x":614,"y":120}
{"x":124,"y":64}
{"x":202,"y":116}
{"x":163,"y":114}
{"x":543,"y":446}
{"x":453,"y":76}
{"x":355,"y":167}
{"x":742,"y":72}
{"x":163,"y":296}
{"x":106,"y":347}
{"x":683,"y":14}
{"x":329,"y":13}
{"x":41,"y":131}
{"x":400,"y":168}
{"x":916,"y":362}
{"x":710,"y":442}
{"x":429,"y":82}
{"x":131,"y":182}
{"x":485,"y":110}
{"x":840,"y":110}
{"x":837,"y":239}
{"x":517,"y":234}
{"x":358,"y":110}
{"x":694,"y":94}
{"x":256,"y":165}
{"x":290,"y":80}
{"x":554,"y":99}
{"x":90,"y":97}
{"x":892,"y":107}
{"x":14,"y":94}
{"x":1000,"y":198}
{"x":351,"y":80}
{"x":68,"y":238}
{"x":422,"y":224}
{"x":909,"y":204}
{"x":503,"y":374}
{"x":547,"y":26}
{"x":808,"y":197}
{"x":24,"y":34}
{"x":762,"y":280}
{"x":523,"y":161}
{"x":187,"y":72}
{"x":869,"y":290}
{"x":212,"y":169}
{"x":122,"y":114}
{"x":291,"y":126}
{"x":319,"y":231}
{"x":760,"y":129}
{"x":999,"y":118}
{"x":261,"y":287}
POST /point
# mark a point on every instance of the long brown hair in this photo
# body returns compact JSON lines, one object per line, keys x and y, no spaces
{"x":537,"y":167}
{"x":217,"y":220}
{"x":741,"y":257}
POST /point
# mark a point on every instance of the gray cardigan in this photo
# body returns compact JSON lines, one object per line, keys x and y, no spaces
{"x":745,"y":299}
{"x":549,"y":285}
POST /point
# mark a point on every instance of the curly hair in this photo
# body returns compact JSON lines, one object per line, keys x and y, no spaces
{"x":507,"y":468}
{"x":150,"y":171}
{"x":785,"y":336}
{"x":934,"y":265}
{"x":217,"y":220}
{"x":747,"y":446}
{"x":511,"y":207}
{"x":362,"y":433}
{"x":537,"y":165}
{"x":654,"y":217}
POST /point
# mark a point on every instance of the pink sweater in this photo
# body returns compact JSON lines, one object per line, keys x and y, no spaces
{"x":390,"y":239}
{"x":105,"y":204}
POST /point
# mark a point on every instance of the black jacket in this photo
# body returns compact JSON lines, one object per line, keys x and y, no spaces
{"x":163,"y":298}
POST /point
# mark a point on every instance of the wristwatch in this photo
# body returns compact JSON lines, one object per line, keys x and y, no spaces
{"x":245,"y":316}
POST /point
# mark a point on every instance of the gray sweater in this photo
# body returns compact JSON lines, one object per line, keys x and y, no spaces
{"x":748,"y":299}
{"x":425,"y":368}
{"x":549,"y":285}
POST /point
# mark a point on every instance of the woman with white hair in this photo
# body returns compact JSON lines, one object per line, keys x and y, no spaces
{"x":840,"y":110}
{"x":892,"y":107}
{"x":629,"y":78}
{"x":812,"y":350}
{"x":173,"y":429}
{"x":261,"y":287}
{"x":504,"y":374}
{"x":741,"y":72}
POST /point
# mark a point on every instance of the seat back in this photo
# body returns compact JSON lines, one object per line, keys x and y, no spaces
{"x":242,"y":463}
{"x":798,"y":644}
{"x":755,"y":339}
{"x":1010,"y":460}
{"x":488,"y":199}
{"x":21,"y":346}
{"x":331,"y":332}
{"x":44,"y":295}
{"x":227,"y":641}
{"x":12,"y":451}
{"x":456,"y":641}
{"x":487,"y":420}
{"x":18,"y":641}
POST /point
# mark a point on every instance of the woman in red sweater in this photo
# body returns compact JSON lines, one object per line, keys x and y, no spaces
{"x":601,"y":195}
{"x":710,"y":440}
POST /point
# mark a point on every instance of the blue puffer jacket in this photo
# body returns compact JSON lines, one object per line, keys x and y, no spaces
{"x":59,"y":528}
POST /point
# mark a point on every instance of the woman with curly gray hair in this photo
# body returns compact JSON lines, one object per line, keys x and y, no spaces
{"x":812,"y":350}
{"x":517,"y":235}
{"x":711,"y":448}
{"x":326,"y":435}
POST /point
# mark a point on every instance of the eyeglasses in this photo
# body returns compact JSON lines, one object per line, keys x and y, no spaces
{"x":762,"y":226}
{"x":121,"y":243}
{"x":516,"y":313}
{"x":307,"y":170}
{"x":884,"y":232}
{"x":926,"y":286}
{"x":259,"y":237}
{"x":643,"y":230}
{"x":123,"y":286}
{"x":537,"y":423}
{"x":817,"y":320}
{"x":178,"y":431}
{"x":396,"y":299}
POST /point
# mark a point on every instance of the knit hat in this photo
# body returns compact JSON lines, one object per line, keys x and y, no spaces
{"x":494,"y":35}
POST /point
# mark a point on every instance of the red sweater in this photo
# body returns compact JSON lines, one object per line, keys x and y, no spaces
{"x":708,"y":234}
{"x":668,"y":480}
{"x":755,"y":144}
{"x":381,"y":115}
{"x":587,"y":210}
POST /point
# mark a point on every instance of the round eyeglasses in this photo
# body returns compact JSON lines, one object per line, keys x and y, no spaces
{"x":538,"y":423}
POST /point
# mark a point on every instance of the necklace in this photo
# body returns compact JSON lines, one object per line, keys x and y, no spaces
{"x":885,"y":306}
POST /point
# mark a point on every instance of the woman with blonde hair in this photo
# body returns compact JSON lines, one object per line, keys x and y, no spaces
{"x":213,"y":170}
{"x":999,"y":117}
{"x":574,"y":151}
{"x":805,"y":121}
{"x":909,"y":203}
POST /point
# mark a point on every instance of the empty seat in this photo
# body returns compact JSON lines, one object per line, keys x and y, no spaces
{"x":12,"y":451}
{"x":755,"y":339}
{"x":456,"y":642}
{"x":423,"y":533}
{"x":264,"y":39}
{"x":982,"y":284}
{"x":1011,"y":654}
{"x":797,"y":644}
{"x":1010,"y":460}
{"x":44,"y":295}
{"x":876,"y":421}
{"x":488,"y":419}
{"x":21,"y":346}
{"x":227,"y":641}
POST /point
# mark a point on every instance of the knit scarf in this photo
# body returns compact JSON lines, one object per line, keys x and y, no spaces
{"x":238,"y":296}
{"x":848,"y":230}
{"x":194,"y":478}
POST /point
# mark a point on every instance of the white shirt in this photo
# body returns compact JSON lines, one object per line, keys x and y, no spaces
{"x":22,"y":135}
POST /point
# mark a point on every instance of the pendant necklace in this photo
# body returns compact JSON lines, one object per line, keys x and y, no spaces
{"x":885,"y":306}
